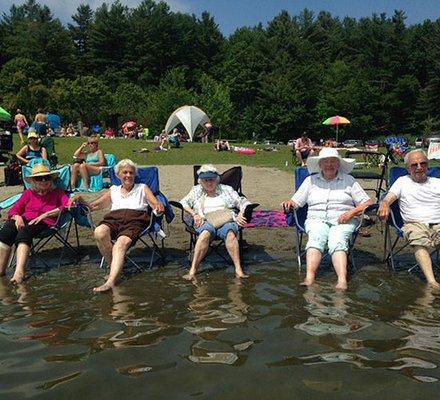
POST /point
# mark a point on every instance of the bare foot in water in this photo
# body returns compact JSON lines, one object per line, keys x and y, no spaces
{"x":434,"y":285}
{"x":189,"y":277}
{"x":341,"y":286}
{"x":241,"y":275}
{"x":308,"y":282}
{"x":103,"y":288}
{"x":17,"y":278}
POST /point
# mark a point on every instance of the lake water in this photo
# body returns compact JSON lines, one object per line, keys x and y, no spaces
{"x":265,"y":338}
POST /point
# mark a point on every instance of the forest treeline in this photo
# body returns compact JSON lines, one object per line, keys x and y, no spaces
{"x":117,"y":63}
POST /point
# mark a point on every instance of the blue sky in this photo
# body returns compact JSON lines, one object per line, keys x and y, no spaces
{"x":231,"y":14}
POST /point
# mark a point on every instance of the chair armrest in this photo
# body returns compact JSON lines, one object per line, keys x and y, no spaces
{"x":179,"y":206}
{"x":249,"y":210}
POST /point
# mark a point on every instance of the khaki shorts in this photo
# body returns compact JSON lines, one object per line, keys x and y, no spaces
{"x":419,"y":234}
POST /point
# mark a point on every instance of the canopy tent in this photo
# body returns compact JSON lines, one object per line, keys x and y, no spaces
{"x":4,"y":115}
{"x":190,"y":117}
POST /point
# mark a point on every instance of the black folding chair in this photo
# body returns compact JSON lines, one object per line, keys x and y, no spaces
{"x":232,"y":177}
{"x":373,"y":160}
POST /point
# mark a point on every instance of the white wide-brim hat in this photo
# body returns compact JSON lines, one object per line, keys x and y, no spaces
{"x":346,"y":164}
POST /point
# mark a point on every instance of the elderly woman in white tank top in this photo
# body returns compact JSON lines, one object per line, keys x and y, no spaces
{"x":335,"y":199}
{"x":125,"y":221}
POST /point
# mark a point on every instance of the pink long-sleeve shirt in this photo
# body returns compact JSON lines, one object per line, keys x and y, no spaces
{"x":31,"y":205}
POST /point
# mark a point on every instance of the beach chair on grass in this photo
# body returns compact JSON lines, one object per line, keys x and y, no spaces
{"x":97,"y":181}
{"x":394,"y":241}
{"x":297,"y":218}
{"x":232,"y":177}
{"x":153,"y":236}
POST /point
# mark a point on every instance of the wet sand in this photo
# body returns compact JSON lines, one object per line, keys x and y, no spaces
{"x":266,"y":186}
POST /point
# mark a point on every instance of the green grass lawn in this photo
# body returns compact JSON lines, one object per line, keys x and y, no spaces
{"x":188,"y":154}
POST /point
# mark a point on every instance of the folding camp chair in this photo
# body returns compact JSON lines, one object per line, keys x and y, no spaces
{"x":61,"y":230}
{"x":373,"y":160}
{"x":153,"y":235}
{"x":232,"y":177}
{"x":297,"y":218}
{"x":394,"y":246}
{"x":97,"y":181}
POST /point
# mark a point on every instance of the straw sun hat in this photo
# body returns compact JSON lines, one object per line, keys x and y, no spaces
{"x":41,"y":170}
{"x":346,"y":164}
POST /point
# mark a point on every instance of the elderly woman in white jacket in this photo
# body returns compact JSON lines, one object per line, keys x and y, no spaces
{"x":206,"y":198}
{"x":335,"y":199}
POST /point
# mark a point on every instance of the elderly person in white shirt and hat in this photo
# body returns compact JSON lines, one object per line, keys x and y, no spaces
{"x":335,"y":199}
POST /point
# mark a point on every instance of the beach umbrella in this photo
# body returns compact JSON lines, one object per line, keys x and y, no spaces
{"x":4,"y":115}
{"x":129,"y":125}
{"x":336,"y":120}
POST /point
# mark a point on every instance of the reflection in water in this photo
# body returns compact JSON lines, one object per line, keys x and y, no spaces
{"x":55,"y":336}
{"x":421,"y":320}
{"x":329,"y":314}
{"x":211,"y":316}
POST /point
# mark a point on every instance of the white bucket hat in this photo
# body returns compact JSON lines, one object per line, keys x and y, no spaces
{"x":346,"y":164}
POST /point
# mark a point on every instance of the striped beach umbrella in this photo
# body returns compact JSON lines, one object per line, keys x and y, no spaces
{"x":336,"y":120}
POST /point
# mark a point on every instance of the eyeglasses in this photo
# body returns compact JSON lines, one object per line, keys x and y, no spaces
{"x":43,"y":178}
{"x":423,"y":164}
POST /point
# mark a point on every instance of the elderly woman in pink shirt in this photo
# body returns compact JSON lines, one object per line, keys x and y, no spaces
{"x":36,"y":210}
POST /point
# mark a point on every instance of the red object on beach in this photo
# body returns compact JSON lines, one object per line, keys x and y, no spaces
{"x":129,"y":125}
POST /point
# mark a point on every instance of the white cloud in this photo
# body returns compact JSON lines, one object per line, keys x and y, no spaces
{"x":64,"y":9}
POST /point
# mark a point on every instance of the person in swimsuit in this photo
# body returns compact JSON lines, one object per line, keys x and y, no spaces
{"x":21,"y":123}
{"x":87,"y":164}
{"x":32,"y":149}
{"x":40,"y":122}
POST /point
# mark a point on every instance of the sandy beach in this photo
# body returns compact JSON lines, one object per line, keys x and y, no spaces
{"x":266,"y":186}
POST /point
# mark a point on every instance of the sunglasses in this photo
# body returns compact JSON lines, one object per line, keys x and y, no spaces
{"x":423,"y":164}
{"x":43,"y":178}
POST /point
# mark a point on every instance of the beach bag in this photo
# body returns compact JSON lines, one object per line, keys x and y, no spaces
{"x":13,"y":174}
{"x":219,"y":218}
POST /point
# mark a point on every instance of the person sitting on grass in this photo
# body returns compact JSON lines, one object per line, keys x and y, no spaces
{"x":125,"y":221}
{"x":87,"y":163}
{"x":32,"y":149}
{"x":222,"y":145}
{"x":36,"y":210}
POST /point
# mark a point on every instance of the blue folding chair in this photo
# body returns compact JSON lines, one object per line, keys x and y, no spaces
{"x":392,"y":246}
{"x":153,"y":235}
{"x":297,"y":218}
{"x":61,"y":230}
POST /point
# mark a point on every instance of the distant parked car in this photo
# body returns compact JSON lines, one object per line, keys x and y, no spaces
{"x":433,"y":139}
{"x":351,"y":143}
{"x":269,"y":142}
{"x":420,"y":142}
{"x":372,"y":142}
{"x":291,"y":142}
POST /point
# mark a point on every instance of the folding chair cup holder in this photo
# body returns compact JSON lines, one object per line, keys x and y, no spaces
{"x":394,"y":224}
